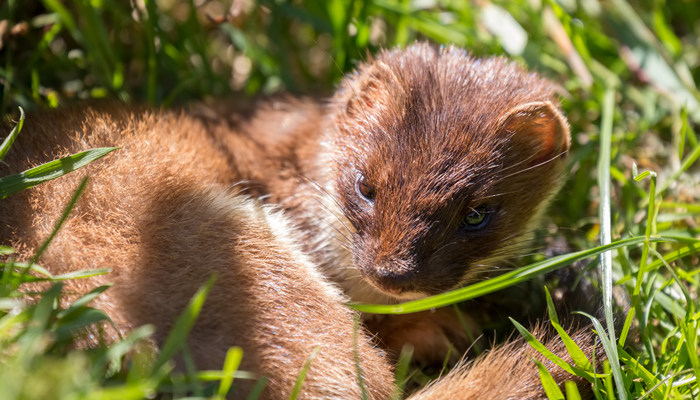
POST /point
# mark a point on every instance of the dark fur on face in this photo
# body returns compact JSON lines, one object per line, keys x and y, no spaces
{"x":429,"y":136}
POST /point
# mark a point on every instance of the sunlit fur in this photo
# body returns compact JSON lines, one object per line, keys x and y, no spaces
{"x":266,"y":199}
{"x":161,"y":214}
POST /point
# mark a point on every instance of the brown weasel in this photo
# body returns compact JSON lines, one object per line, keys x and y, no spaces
{"x":426,"y":169}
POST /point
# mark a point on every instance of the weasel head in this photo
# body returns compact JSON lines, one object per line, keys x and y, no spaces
{"x":442,"y":163}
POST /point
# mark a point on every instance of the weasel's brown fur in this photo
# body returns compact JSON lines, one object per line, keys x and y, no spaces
{"x":271,"y":204}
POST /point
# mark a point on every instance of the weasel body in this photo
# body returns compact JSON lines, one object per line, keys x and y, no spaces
{"x":424,"y":171}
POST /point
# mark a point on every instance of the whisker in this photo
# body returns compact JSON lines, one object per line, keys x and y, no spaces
{"x":347,"y":233}
{"x":323,"y":194}
{"x":319,"y":188}
{"x":533,"y":166}
{"x":445,"y":246}
{"x":478,"y":200}
{"x":244,"y":186}
{"x":338,"y":219}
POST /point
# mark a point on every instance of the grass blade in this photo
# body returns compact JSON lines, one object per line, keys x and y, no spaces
{"x":61,"y":220}
{"x":234,"y":355}
{"x":84,"y":300}
{"x":7,"y":143}
{"x":111,"y":360}
{"x":402,"y":366}
{"x":550,"y":386}
{"x":30,"y":343}
{"x":183,"y":325}
{"x":606,"y":235}
{"x":542,"y":349}
{"x":51,"y":170}
{"x":572,"y":392}
{"x":608,"y":347}
{"x":356,"y":353}
{"x":257,"y":390}
{"x":687,"y":163}
{"x":502,"y":281}
{"x":296,"y":390}
{"x":572,"y":348}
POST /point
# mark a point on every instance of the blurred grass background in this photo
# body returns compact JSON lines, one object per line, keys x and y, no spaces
{"x":644,"y":55}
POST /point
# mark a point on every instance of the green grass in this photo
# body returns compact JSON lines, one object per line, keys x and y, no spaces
{"x":627,"y":71}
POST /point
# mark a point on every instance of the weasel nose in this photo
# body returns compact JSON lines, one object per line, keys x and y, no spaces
{"x":394,"y":281}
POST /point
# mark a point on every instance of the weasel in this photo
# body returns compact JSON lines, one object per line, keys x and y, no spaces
{"x":424,"y":171}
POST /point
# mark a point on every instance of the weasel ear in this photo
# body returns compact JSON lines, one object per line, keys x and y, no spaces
{"x":368,"y":89}
{"x":539,"y":130}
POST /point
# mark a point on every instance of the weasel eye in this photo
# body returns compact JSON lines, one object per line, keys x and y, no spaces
{"x":363,"y":188}
{"x":476,"y":219}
